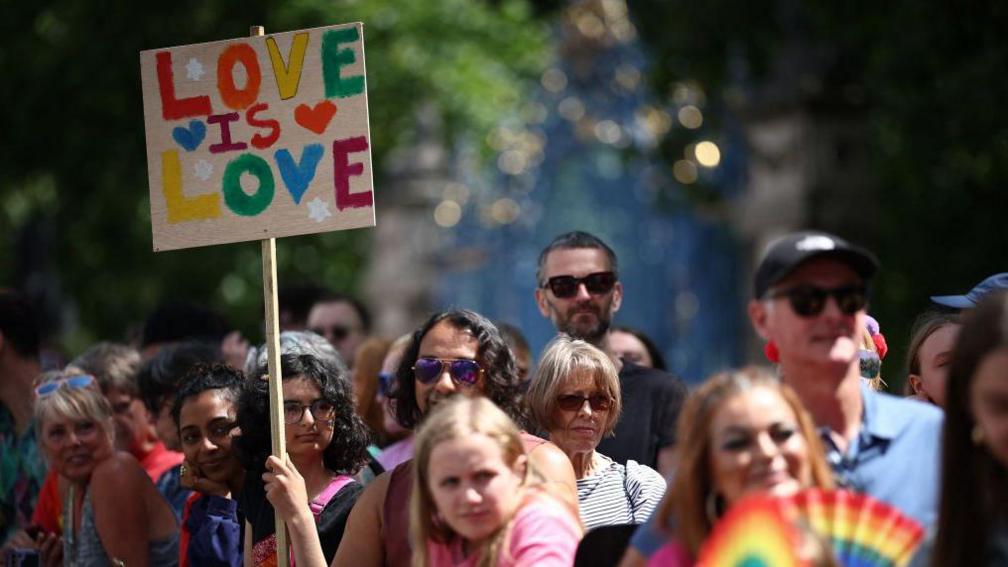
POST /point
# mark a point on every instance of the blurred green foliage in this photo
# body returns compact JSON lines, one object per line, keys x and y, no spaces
{"x":73,"y":154}
{"x":930,"y":79}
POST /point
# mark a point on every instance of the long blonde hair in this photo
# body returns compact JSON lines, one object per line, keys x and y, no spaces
{"x":685,"y":503}
{"x":454,"y":419}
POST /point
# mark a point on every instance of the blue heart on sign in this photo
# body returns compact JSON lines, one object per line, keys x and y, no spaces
{"x":190,"y":138}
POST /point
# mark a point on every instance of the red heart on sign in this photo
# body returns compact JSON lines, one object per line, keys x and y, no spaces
{"x":315,"y":118}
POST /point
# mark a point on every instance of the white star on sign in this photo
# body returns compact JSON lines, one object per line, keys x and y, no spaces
{"x":318,"y":210}
{"x":203,"y":169}
{"x":194,"y":69}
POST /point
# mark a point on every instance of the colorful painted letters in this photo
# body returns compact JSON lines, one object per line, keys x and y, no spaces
{"x":234,"y":121}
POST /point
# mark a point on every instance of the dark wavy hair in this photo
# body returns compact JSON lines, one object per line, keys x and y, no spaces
{"x":500,"y":373}
{"x":974,"y":491}
{"x":208,"y":376}
{"x":161,"y":377}
{"x":348,"y":449}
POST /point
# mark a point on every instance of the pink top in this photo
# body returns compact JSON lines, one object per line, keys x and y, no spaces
{"x":672,"y":554}
{"x":543,"y":533}
{"x":396,"y":453}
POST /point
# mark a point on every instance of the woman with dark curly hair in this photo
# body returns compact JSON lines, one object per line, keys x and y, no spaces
{"x":455,"y":353}
{"x":498,"y":379}
{"x":311,"y":488}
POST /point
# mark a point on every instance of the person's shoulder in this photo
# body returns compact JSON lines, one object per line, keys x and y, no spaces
{"x":910,"y":409}
{"x":643,"y":474}
{"x":542,"y":507}
{"x":119,"y":472}
{"x":372,"y":497}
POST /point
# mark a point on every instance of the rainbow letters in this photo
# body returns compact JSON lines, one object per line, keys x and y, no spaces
{"x":258,"y":137}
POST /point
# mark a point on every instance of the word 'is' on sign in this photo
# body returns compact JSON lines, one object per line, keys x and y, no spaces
{"x":258,"y":137}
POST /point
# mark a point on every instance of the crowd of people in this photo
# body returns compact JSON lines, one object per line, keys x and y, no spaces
{"x":449,"y":445}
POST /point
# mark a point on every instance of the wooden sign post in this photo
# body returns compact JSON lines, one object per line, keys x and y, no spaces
{"x":254,"y":139}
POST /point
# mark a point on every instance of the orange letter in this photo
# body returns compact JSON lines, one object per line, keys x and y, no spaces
{"x":244,"y":54}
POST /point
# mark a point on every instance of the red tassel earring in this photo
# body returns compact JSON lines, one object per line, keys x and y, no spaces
{"x":771,"y":352}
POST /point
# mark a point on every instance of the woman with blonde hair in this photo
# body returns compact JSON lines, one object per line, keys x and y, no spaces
{"x":476,"y":500}
{"x":575,"y":398}
{"x":113,"y":514}
{"x":742,"y":432}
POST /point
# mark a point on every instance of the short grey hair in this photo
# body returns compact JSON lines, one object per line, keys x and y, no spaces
{"x":563,"y":359}
{"x":295,"y":343}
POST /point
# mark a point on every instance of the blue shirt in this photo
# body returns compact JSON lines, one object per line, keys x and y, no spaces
{"x":895,"y":457}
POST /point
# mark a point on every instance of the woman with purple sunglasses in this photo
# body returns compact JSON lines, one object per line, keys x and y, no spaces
{"x":575,"y":397}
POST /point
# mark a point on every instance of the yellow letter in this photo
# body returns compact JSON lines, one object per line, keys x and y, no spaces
{"x":181,"y":208}
{"x":288,"y":76}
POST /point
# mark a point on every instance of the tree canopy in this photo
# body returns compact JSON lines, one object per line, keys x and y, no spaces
{"x":929,"y":79}
{"x":75,"y":206}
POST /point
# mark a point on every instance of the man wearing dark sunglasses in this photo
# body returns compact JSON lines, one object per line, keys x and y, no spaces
{"x":343,"y":321}
{"x":579,"y":291}
{"x":811,"y":291}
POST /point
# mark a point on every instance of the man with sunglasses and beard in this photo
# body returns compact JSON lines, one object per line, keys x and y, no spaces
{"x":579,"y":291}
{"x":455,"y":353}
{"x":342,"y":320}
{"x":811,"y":292}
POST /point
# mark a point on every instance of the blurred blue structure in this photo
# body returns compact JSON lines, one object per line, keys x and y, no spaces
{"x":592,"y":166}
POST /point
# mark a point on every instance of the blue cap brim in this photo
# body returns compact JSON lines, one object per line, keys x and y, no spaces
{"x":954,"y":301}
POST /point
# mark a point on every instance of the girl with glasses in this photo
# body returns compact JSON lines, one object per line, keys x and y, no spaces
{"x":575,"y":397}
{"x":312,"y":487}
{"x":477,"y":500}
{"x":113,"y":514}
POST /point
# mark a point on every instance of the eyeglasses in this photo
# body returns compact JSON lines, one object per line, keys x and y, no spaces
{"x":573,"y":402}
{"x":337,"y":332}
{"x":809,"y":301}
{"x":76,"y":382}
{"x":464,"y":371}
{"x":566,"y":286}
{"x":321,"y":410}
{"x":385,"y":380}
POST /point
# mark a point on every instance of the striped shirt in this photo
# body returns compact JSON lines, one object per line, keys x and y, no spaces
{"x":619,"y":495}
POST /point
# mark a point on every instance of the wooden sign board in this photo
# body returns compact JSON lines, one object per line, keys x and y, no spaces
{"x":257,"y":138}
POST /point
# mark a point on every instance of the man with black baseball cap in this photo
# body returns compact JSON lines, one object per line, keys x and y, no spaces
{"x":811,"y":291}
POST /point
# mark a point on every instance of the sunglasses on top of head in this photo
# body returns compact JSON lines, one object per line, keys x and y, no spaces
{"x":71,"y":383}
{"x":597,"y":283}
{"x":809,"y":301}
{"x":462,"y":371}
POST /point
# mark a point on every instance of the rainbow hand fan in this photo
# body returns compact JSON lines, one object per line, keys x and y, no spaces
{"x":756,"y":532}
{"x":762,"y":530}
{"x":865,"y":532}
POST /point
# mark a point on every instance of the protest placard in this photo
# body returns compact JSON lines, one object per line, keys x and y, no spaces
{"x":256,"y":138}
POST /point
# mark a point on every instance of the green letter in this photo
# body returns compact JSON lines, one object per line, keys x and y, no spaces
{"x":333,"y":61}
{"x":237,"y":200}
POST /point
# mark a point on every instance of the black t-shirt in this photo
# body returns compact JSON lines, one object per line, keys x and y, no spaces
{"x":331,"y":522}
{"x":651,"y":402}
